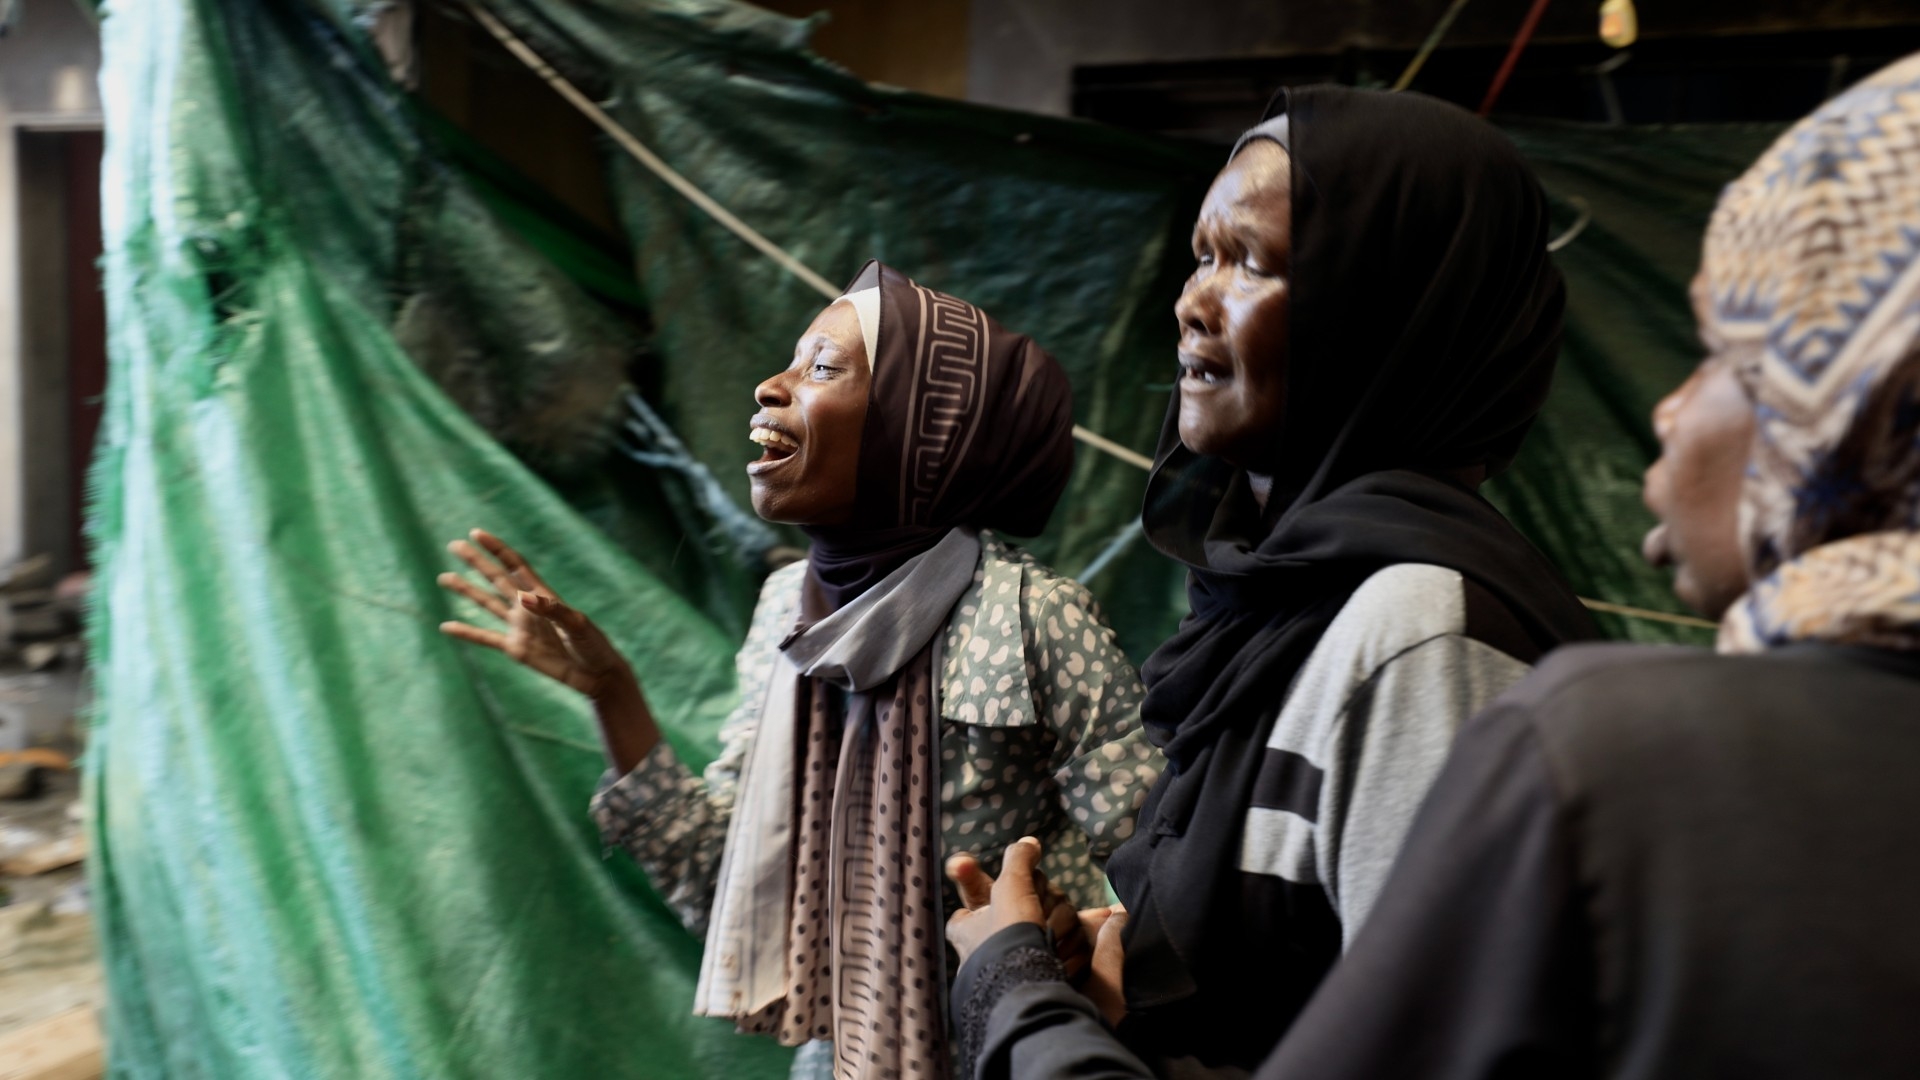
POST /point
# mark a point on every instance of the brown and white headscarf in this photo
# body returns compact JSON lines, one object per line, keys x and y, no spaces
{"x":828,"y":921}
{"x":1810,"y":285}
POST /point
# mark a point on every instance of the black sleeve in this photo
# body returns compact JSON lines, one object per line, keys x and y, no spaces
{"x":1016,"y":1017}
{"x":1476,"y":962}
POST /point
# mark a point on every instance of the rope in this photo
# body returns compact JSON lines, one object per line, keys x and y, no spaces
{"x":1579,"y":224}
{"x":1426,"y":47}
{"x":794,"y":266}
{"x":1649,"y":615}
{"x":647,"y":157}
{"x":1513,"y":56}
{"x":705,"y":202}
{"x":1128,"y":533}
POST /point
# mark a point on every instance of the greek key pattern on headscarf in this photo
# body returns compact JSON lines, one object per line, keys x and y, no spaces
{"x":1810,"y":286}
{"x":945,"y":409}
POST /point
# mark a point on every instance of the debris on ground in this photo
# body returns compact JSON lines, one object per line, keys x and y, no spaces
{"x":52,"y":855}
{"x":41,"y":655}
{"x":40,"y":617}
{"x":34,"y":571}
{"x":50,"y":977}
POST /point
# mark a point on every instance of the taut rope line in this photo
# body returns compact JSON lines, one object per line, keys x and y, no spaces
{"x":771,"y":250}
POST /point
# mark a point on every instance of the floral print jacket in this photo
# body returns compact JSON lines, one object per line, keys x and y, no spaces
{"x":1040,"y":737}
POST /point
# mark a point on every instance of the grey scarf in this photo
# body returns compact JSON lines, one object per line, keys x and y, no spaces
{"x":827,"y":921}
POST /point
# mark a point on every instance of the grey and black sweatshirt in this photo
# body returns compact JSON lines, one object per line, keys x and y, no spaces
{"x":1363,"y":730}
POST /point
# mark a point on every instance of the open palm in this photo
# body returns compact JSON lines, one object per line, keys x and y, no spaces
{"x":538,"y":630}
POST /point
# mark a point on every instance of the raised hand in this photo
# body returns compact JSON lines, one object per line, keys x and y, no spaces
{"x":541,"y":631}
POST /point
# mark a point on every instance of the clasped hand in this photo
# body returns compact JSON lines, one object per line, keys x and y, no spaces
{"x":1088,"y":943}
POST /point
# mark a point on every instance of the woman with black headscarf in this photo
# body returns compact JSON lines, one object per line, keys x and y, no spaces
{"x":914,"y":689}
{"x":1368,"y":336}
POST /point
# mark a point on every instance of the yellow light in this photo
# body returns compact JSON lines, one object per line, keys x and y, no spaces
{"x":1619,"y":25}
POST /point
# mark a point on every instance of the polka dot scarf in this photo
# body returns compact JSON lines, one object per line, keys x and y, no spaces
{"x":828,"y":920}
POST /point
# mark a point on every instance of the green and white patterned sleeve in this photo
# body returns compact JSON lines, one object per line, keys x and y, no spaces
{"x":674,"y":823}
{"x":1089,"y":696}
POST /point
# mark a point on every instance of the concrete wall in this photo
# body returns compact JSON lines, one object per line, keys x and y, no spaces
{"x":917,"y":44}
{"x":48,"y":67}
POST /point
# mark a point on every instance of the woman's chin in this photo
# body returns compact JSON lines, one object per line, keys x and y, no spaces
{"x":1206,"y":439}
{"x":766,"y":503}
{"x":1198,"y":433}
{"x":782,"y":507}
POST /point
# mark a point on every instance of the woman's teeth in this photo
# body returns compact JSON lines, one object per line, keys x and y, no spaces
{"x":770,"y":437}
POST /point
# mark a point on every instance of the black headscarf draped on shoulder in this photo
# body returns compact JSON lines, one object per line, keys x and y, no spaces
{"x":1424,"y":323}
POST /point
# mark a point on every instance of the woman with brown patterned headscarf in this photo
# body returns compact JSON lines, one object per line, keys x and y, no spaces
{"x":915,"y":689}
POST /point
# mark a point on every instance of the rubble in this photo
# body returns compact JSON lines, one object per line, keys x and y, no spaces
{"x":35,"y":571}
{"x":51,"y":855}
{"x":41,"y":655}
{"x":50,"y":977}
{"x":36,"y":611}
{"x":21,"y":780}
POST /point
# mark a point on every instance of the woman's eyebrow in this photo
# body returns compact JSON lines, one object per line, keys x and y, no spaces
{"x":805,"y":350}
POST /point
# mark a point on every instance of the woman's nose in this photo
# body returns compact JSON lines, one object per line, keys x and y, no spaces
{"x":772,"y":393}
{"x":1198,"y":308}
{"x":1668,"y":410}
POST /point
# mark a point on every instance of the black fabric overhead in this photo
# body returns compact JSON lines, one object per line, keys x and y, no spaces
{"x":1425,"y":321}
{"x":968,"y":424}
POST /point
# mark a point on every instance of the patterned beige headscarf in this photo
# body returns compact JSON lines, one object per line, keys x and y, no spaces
{"x":1810,"y":287}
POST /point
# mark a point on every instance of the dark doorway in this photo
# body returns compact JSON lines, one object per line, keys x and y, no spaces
{"x":64,"y":370}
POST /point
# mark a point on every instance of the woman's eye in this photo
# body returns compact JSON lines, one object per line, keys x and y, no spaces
{"x":820,"y":371}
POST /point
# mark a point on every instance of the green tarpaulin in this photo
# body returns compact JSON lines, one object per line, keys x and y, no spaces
{"x":331,"y":843}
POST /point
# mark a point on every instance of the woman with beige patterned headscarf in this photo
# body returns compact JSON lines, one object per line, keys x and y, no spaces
{"x":1664,"y":862}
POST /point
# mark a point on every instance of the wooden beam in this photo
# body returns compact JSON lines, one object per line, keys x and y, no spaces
{"x":65,"y":1046}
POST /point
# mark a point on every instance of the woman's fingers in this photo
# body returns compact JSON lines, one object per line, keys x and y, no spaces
{"x":1065,"y":923}
{"x":555,"y":611}
{"x":492,"y":639}
{"x":592,"y":655}
{"x":1093,"y":920}
{"x":1014,"y":889}
{"x":486,"y":567}
{"x":516,"y":566}
{"x":460,"y":586}
{"x":1073,"y":948}
{"x":1105,"y":981}
{"x":974,"y":883}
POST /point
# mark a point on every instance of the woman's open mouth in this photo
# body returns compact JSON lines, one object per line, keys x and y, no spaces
{"x":776,"y":444}
{"x":1196,"y":373}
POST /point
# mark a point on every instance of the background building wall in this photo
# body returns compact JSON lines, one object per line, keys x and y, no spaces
{"x":920,"y":45}
{"x":49,"y":63}
{"x":1022,"y":52}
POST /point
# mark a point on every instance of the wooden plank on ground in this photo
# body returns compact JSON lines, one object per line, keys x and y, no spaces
{"x":51,"y":855}
{"x":65,"y":1046}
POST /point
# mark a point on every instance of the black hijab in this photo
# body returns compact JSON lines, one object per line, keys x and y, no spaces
{"x":1425,"y":319}
{"x":968,"y":425}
